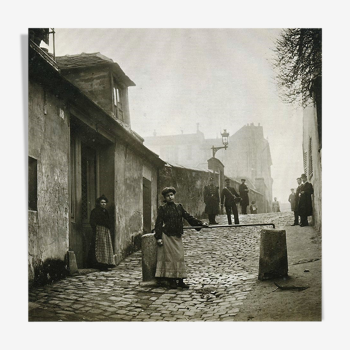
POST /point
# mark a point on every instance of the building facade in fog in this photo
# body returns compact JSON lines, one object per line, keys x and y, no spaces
{"x":188,"y":150}
{"x":247,"y":156}
{"x":81,"y":146}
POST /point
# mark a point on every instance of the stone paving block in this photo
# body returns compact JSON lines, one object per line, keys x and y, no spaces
{"x":116,"y":317}
{"x":121,"y":304}
{"x":115,"y":298}
{"x":95,"y":311}
{"x":84,"y":309}
{"x":110,"y":309}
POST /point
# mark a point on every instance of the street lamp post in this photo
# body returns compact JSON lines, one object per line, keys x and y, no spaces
{"x":225,"y":136}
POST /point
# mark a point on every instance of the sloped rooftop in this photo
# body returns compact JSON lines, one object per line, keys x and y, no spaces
{"x":86,"y":60}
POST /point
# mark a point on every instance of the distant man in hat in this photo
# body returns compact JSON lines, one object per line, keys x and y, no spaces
{"x":243,"y":191}
{"x":305,"y":201}
{"x":229,"y":196}
{"x":296,"y":203}
{"x":291,"y":199}
{"x":211,"y":200}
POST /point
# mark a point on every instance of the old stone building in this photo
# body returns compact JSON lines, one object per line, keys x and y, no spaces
{"x":186,"y":150}
{"x":312,"y":149}
{"x":247,"y":156}
{"x":81,"y":146}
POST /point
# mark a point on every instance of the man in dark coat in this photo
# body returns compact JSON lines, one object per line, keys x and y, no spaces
{"x":291,"y":199}
{"x":296,"y":203}
{"x":243,"y":191}
{"x":229,"y":196}
{"x":305,"y":201}
{"x":211,"y":200}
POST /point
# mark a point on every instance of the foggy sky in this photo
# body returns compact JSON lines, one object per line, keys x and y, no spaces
{"x":219,"y":78}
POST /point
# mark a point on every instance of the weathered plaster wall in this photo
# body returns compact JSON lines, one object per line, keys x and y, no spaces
{"x":310,"y":130}
{"x":49,"y":144}
{"x":95,"y":83}
{"x":151,"y":174}
{"x":128,"y":201}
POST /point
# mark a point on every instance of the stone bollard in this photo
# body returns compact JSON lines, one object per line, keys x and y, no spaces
{"x":72,"y":263}
{"x":273,"y":261}
{"x":149,"y":258}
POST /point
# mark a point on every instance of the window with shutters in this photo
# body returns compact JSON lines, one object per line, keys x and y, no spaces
{"x":310,"y":158}
{"x":117,"y":101}
{"x":305,"y":162}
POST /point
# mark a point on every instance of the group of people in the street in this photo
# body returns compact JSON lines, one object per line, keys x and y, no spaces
{"x":171,"y":268}
{"x":229,"y":198}
{"x":301,"y":201}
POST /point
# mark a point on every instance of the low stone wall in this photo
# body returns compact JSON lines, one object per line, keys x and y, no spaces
{"x":189,"y":184}
{"x":253,"y":196}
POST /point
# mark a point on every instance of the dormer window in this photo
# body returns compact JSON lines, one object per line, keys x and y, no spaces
{"x":117,"y":101}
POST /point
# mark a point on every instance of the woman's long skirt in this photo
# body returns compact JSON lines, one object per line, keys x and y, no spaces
{"x":103,"y":248}
{"x":170,"y":258}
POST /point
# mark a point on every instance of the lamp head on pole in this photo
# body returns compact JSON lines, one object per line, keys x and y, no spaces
{"x":225,"y":136}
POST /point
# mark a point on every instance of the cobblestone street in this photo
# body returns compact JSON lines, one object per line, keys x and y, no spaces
{"x":222,"y":271}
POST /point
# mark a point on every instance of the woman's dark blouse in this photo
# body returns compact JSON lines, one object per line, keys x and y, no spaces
{"x":99,"y":216}
{"x":169,"y":220}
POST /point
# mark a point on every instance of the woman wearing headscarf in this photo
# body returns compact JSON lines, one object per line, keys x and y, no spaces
{"x":168,"y":233}
{"x":101,"y":249}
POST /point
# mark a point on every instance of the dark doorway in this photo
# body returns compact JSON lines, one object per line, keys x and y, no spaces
{"x":88,"y":196}
{"x":147,"y":214}
{"x":91,"y":174}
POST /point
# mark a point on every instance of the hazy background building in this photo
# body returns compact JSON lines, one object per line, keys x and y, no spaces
{"x":247,"y":156}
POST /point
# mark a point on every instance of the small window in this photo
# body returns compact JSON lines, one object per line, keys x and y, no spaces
{"x":305,"y":162}
{"x":311,"y":171}
{"x":118,"y":106}
{"x":115,"y":96}
{"x":32,"y":184}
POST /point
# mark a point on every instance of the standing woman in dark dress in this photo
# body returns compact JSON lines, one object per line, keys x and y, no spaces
{"x":168,"y":233}
{"x":101,"y":249}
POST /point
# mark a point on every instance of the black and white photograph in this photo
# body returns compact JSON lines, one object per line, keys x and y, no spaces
{"x":177,"y":175}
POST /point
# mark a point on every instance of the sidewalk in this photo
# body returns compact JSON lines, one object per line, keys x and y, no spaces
{"x":222,"y":273}
{"x":265,"y":303}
